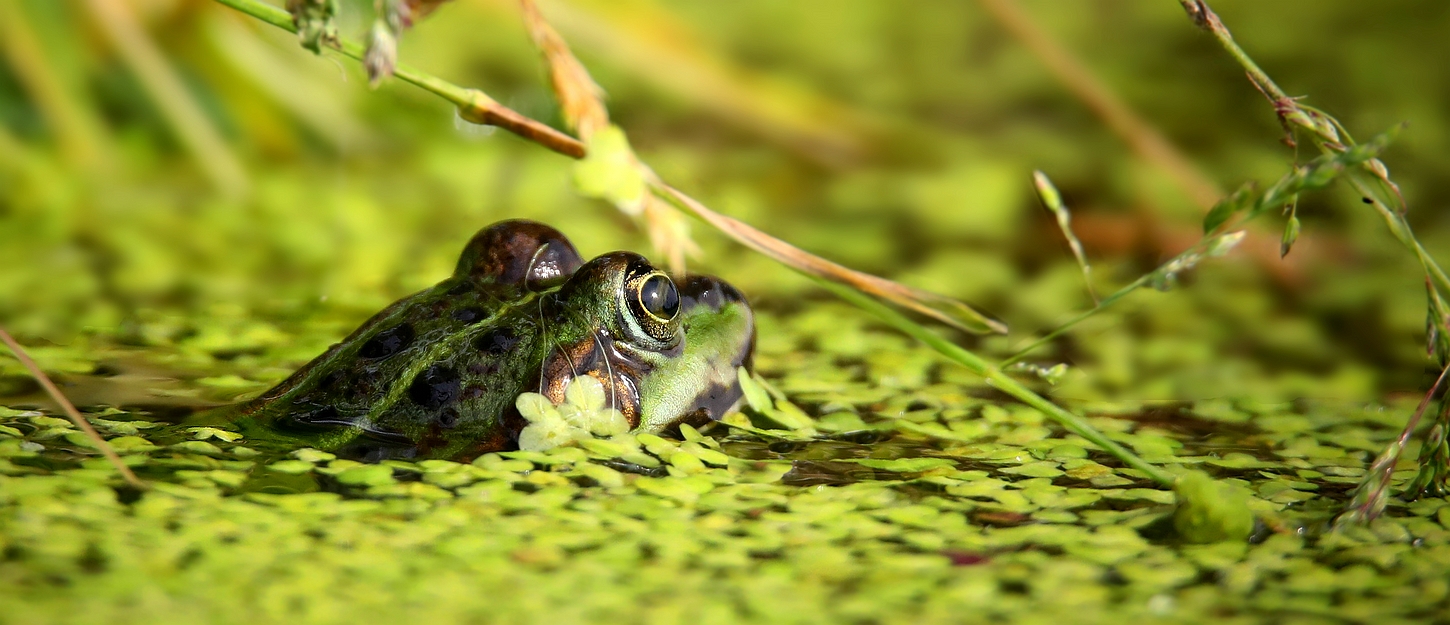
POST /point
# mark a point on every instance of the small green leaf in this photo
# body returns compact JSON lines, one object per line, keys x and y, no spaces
{"x":203,"y":433}
{"x":536,"y":408}
{"x":586,"y":392}
{"x":905,"y":465}
{"x":1291,"y":234}
{"x":366,"y":475}
{"x":290,"y":467}
{"x":197,"y":447}
{"x":687,"y":462}
{"x":755,"y":395}
{"x":309,"y":455}
{"x":1035,"y":469}
{"x":611,"y":172}
{"x":130,"y":444}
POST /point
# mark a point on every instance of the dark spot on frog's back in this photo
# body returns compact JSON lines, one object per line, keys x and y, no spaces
{"x":460,"y":288}
{"x":329,"y":380}
{"x":435,"y":387}
{"x":388,"y":342}
{"x":448,"y":418}
{"x":469,"y":314}
{"x":495,"y":342}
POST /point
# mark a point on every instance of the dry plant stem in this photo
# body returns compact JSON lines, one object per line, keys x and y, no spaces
{"x":1138,"y":133}
{"x":168,"y":93}
{"x":473,"y":105}
{"x":580,"y":98}
{"x":997,"y":378}
{"x":581,"y":101}
{"x":650,"y":41}
{"x":70,"y":410}
{"x":939,"y":307}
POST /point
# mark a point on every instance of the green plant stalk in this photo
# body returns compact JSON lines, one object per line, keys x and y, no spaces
{"x":976,"y":364}
{"x":1063,"y":327}
{"x":1198,"y":252}
{"x":473,"y":105}
{"x":1052,"y":199}
{"x":1206,"y":19}
{"x":1401,"y":231}
{"x":281,"y":19}
{"x":1369,"y":497}
{"x":1318,"y":174}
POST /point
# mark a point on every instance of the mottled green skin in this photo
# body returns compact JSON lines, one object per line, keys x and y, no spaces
{"x":437,"y":373}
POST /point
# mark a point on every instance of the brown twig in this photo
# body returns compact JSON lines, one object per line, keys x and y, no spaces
{"x":70,"y":410}
{"x":1150,"y":144}
{"x":580,"y":98}
{"x":582,"y":102}
{"x":934,"y":305}
{"x":481,"y":109}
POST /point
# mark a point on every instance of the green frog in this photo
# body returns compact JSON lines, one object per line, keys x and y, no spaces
{"x":437,"y":374}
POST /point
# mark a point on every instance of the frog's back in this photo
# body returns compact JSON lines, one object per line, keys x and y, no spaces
{"x":435,"y":373}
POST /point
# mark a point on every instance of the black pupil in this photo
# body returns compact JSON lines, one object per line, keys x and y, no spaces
{"x":659,"y":297}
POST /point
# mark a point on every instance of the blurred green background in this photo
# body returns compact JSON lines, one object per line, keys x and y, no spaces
{"x":185,"y":187}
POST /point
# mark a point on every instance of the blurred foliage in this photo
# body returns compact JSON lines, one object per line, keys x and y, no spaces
{"x":908,"y":152}
{"x":900,"y":142}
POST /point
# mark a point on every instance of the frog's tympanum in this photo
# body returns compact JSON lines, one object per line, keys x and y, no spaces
{"x":437,"y":373}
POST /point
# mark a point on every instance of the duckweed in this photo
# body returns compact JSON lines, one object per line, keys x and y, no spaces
{"x":965,"y":509}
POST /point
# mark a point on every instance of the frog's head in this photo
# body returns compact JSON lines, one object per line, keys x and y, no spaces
{"x":438,"y":373}
{"x":627,"y":299}
{"x":701,"y":384}
{"x":668,"y":354}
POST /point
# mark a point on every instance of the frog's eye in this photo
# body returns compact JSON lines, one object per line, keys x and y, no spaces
{"x":658,"y":297}
{"x":647,"y":303}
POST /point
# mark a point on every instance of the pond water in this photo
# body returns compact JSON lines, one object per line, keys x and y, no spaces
{"x":896,"y":504}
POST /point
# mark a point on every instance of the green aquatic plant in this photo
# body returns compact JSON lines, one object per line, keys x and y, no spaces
{"x":1360,"y":165}
{"x":584,"y":413}
{"x":870,"y":478}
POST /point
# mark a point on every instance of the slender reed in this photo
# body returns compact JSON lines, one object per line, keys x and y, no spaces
{"x":70,"y":409}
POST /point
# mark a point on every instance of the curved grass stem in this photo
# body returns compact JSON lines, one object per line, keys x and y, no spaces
{"x":70,"y":410}
{"x":995,"y":377}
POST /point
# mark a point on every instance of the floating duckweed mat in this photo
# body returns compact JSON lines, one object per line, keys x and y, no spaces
{"x":914,"y":495}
